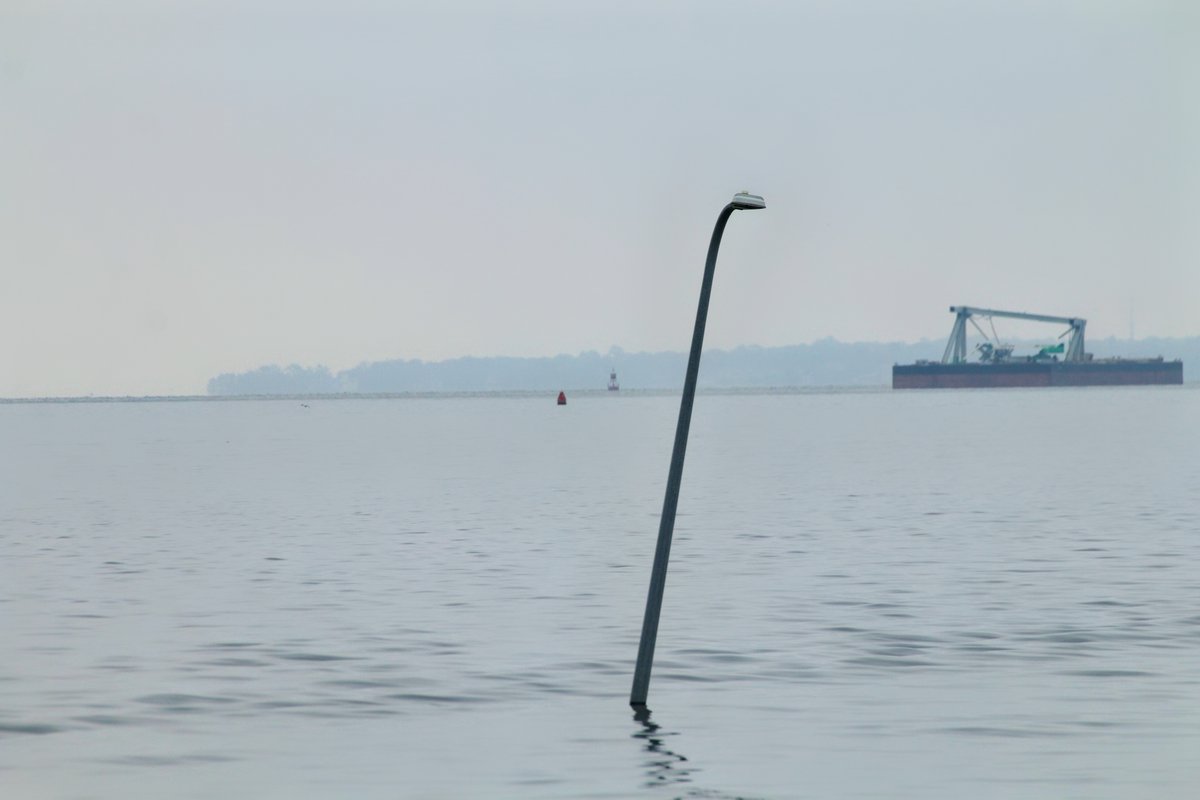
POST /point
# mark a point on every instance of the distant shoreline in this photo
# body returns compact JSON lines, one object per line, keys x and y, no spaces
{"x":823,"y":363}
{"x":483,"y":395}
{"x":820,"y":367}
{"x":520,"y":394}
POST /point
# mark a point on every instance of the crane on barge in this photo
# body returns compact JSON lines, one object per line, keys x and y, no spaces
{"x":998,"y":367}
{"x":956,"y":347}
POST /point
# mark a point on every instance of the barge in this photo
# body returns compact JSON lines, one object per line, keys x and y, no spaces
{"x":998,"y":367}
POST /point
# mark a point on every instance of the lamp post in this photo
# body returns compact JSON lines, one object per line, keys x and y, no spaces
{"x":666,"y":527}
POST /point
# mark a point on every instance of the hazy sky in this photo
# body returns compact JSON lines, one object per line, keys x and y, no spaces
{"x":188,"y":188}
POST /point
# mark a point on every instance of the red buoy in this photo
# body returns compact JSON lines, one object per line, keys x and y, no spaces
{"x":562,"y":398}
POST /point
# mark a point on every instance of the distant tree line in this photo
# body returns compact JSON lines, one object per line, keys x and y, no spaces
{"x":826,"y":362}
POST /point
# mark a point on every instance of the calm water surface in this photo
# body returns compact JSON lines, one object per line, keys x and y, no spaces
{"x":872,"y":595}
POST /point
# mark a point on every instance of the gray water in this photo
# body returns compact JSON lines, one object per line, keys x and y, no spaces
{"x":872,"y":595}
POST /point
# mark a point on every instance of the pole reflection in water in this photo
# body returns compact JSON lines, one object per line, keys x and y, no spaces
{"x":666,"y":768}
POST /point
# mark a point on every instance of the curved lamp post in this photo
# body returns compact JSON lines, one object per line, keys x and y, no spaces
{"x":658,"y":577}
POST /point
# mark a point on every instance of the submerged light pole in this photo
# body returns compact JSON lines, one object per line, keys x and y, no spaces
{"x":658,"y":576}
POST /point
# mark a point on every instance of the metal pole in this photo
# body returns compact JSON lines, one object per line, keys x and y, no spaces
{"x":658,"y":577}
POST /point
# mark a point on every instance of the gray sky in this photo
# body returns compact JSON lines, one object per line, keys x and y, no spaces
{"x":189,"y":188}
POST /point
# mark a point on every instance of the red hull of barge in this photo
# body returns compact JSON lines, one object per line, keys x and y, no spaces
{"x":1116,"y":372}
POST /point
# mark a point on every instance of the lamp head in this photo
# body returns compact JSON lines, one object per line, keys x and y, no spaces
{"x":746,"y":201}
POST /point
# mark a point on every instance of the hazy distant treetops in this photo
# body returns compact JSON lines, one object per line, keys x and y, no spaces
{"x":826,"y":362}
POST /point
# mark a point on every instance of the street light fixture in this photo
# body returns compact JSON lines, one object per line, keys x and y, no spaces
{"x":742,"y":201}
